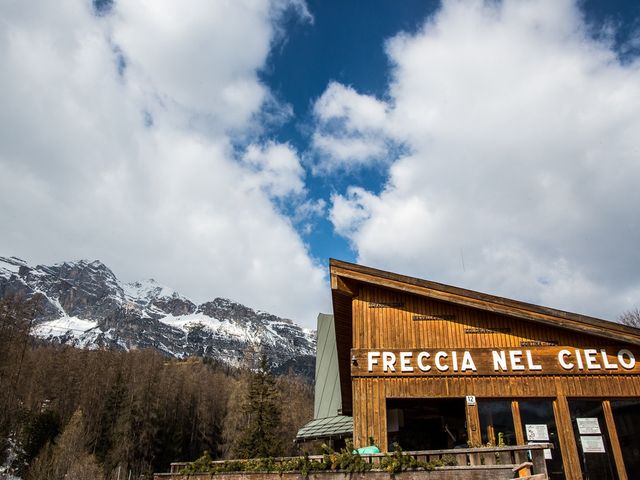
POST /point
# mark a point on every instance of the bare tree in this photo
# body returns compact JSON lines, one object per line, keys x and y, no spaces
{"x":631,"y":317}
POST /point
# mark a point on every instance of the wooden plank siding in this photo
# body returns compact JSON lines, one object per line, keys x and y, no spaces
{"x":377,"y":327}
{"x":357,"y":275}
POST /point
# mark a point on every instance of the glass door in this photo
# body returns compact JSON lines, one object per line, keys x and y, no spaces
{"x":539,"y":426}
{"x":626,"y":415}
{"x":592,"y":438}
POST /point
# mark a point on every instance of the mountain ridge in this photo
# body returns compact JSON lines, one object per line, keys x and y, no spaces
{"x":83,"y":304}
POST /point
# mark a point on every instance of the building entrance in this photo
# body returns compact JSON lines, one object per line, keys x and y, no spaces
{"x":426,"y":423}
{"x":592,"y":440}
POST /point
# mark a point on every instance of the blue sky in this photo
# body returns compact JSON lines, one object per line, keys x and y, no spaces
{"x":229,"y":149}
{"x":345,"y":43}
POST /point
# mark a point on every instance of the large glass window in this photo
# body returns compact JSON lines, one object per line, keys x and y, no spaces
{"x":496,"y":422}
{"x":426,"y":423}
{"x":539,"y":426}
{"x":592,"y":438}
{"x":626,"y":414}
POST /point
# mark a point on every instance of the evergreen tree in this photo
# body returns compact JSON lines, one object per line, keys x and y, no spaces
{"x":262,"y":415}
{"x":40,"y":430}
{"x":67,"y":458}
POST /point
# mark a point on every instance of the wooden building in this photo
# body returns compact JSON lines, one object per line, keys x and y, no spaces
{"x":433,"y":366}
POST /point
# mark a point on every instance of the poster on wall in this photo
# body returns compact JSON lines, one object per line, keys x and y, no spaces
{"x":537,"y":432}
{"x":588,"y":426}
{"x":592,"y":444}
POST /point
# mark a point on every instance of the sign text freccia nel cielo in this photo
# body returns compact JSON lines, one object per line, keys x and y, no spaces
{"x":495,"y":361}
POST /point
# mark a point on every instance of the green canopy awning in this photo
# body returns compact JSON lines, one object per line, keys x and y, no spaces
{"x":330,"y":427}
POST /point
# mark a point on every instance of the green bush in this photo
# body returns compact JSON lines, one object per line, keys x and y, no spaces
{"x":346,"y":460}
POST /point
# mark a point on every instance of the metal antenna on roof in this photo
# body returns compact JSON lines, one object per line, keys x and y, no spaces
{"x":462,"y":259}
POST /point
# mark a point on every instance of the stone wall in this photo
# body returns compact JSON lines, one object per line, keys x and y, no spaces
{"x":484,"y":472}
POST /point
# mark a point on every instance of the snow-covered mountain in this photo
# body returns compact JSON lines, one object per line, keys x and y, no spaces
{"x":83,"y":304}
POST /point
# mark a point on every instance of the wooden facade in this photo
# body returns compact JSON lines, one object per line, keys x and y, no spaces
{"x":404,"y":338}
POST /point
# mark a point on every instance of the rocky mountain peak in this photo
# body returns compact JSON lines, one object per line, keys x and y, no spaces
{"x":12,"y":263}
{"x":85,"y":305}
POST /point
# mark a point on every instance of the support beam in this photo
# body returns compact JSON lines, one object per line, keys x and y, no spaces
{"x":615,"y":442}
{"x":568,"y":446}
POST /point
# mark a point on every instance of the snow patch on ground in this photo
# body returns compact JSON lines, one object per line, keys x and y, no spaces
{"x":11,"y":455}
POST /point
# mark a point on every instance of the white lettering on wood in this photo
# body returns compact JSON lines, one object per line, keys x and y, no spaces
{"x":579,"y":360}
{"x":372,"y":359}
{"x":561,"y":359}
{"x":405,"y":362}
{"x":605,"y":361}
{"x":439,"y":365}
{"x":516,"y":358}
{"x":590,"y":358}
{"x":388,"y":361}
{"x":422,"y":364}
{"x":467,"y":363}
{"x":627,"y":363}
{"x":530,"y":364}
{"x":499,"y":360}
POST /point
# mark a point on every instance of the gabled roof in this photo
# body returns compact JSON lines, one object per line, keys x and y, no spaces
{"x":347,"y":277}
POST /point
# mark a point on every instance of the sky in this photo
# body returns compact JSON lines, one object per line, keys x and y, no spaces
{"x":230,"y":148}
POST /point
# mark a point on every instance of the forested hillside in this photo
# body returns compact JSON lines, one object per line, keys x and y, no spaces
{"x":95,"y":413}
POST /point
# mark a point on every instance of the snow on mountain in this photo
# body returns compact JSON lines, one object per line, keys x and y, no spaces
{"x":74,"y":331}
{"x":83,"y":304}
{"x":148,"y":289}
{"x":223,"y":328}
{"x":11,"y":265}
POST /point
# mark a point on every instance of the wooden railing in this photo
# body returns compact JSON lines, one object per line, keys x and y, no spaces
{"x":532,"y":455}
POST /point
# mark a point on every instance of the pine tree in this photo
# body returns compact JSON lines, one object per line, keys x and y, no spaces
{"x":39,"y":431}
{"x":262,"y":415}
{"x":68,"y":455}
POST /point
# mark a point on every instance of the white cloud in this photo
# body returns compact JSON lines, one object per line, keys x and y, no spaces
{"x":521,"y":177}
{"x":350,"y":211}
{"x":359,"y":112}
{"x":349,"y":130}
{"x":278,"y":169}
{"x":185,"y":55}
{"x":83,"y":175}
{"x":346,"y":152}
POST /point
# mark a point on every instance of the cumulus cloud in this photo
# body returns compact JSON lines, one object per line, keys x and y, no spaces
{"x":348,"y":130}
{"x":338,"y":152}
{"x":117,"y":143}
{"x":358,"y":112}
{"x":522,"y":159}
{"x":277,"y":168}
{"x":350,"y":211}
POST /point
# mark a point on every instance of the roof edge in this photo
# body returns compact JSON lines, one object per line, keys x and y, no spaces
{"x":484,"y":301}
